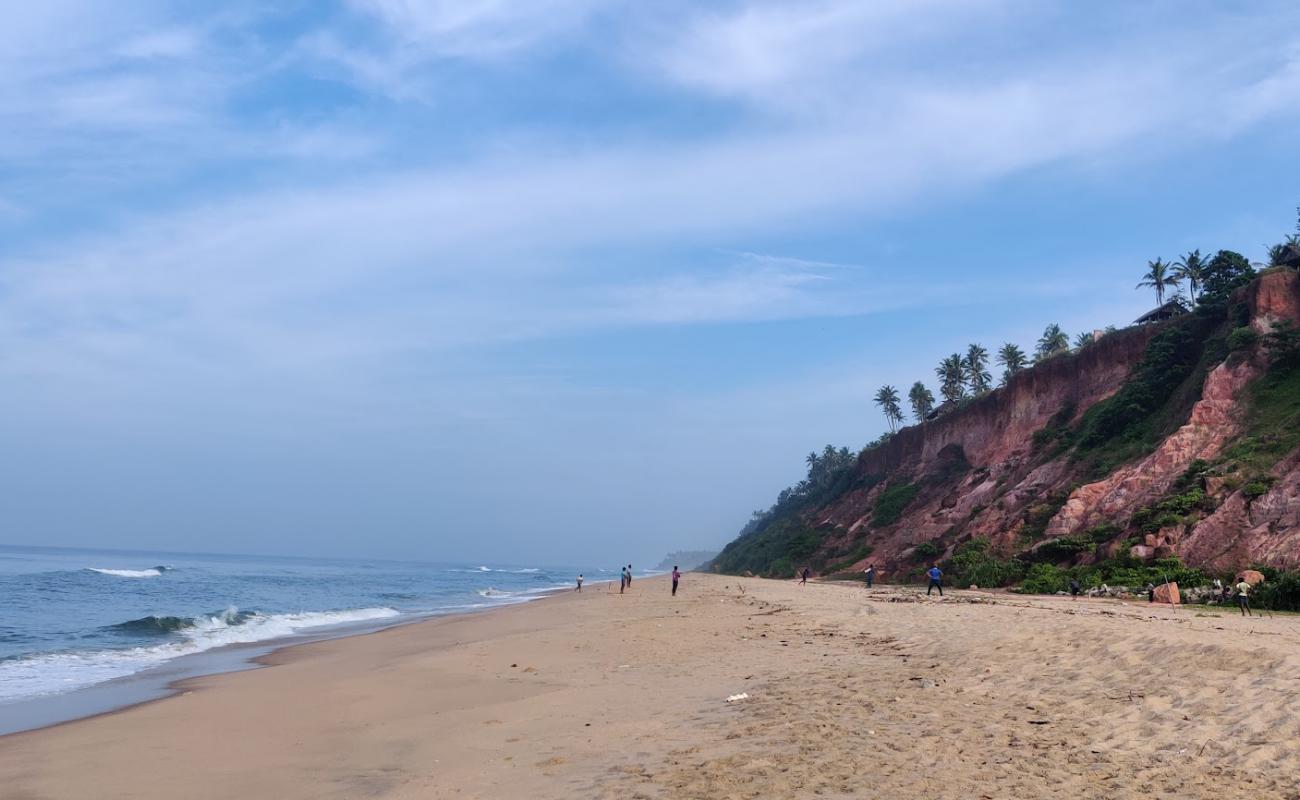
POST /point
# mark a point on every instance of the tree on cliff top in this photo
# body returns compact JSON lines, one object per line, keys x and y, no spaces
{"x":1012,"y":359}
{"x":1224,"y":273}
{"x":952,"y":378}
{"x":1159,"y":277}
{"x":1190,"y":268}
{"x":1053,"y":341}
{"x":887,"y":399}
{"x":922,"y":401}
{"x":977,"y":377}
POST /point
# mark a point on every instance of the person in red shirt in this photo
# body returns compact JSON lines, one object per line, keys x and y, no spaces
{"x":677,"y":576}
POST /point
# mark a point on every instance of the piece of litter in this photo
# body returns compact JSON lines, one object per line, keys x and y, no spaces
{"x":624,"y":666}
{"x":742,"y":696}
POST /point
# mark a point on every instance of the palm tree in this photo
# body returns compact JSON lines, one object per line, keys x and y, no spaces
{"x":1053,"y":341}
{"x":977,"y":377}
{"x":922,"y":401}
{"x":1159,"y":278}
{"x":1012,"y":359}
{"x":1190,"y":268}
{"x":952,"y":378}
{"x":887,"y":399}
{"x":1083,"y":340}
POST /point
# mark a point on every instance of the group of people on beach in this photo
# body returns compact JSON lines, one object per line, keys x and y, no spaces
{"x":1240,"y":592}
{"x":625,"y":579}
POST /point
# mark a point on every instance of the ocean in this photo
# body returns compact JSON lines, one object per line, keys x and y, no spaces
{"x":75,"y":619}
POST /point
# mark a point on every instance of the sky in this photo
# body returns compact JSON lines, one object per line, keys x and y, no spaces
{"x":569,"y":281}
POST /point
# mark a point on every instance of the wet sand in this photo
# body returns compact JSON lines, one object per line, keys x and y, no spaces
{"x":881,"y":694}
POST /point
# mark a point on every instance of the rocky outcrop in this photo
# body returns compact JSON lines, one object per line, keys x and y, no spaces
{"x":1265,"y":530}
{"x":1213,"y":422}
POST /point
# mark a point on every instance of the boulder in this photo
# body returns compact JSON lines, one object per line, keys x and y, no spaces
{"x":1250,"y":576}
{"x":1168,"y":593}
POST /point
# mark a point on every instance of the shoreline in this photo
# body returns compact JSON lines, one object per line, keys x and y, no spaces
{"x":845,"y":692}
{"x":166,"y":680}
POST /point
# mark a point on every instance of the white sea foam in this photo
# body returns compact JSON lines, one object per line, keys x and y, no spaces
{"x":51,"y":673}
{"x":152,"y":572}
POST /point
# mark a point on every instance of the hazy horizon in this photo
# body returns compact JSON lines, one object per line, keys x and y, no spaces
{"x":574,"y":281}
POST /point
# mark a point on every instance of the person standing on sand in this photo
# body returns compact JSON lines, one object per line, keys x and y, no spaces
{"x":1151,"y":592}
{"x":622,"y":580}
{"x":677,"y":576}
{"x":580,"y":581}
{"x":629,"y":576}
{"x":936,"y":580}
{"x":870,"y":573}
{"x":803,"y":576}
{"x":1074,"y":588}
{"x":1243,"y":598}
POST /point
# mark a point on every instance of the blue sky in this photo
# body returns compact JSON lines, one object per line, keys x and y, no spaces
{"x":568,"y":280}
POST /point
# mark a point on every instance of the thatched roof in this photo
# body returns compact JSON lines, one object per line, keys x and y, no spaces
{"x":1171,"y":309}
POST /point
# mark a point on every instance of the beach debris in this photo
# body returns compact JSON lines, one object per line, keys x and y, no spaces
{"x":735,"y":698}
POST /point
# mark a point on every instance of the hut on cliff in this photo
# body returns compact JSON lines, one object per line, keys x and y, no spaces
{"x":1171,"y":309}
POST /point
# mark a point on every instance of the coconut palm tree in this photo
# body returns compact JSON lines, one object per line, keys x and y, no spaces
{"x":922,"y":401}
{"x":1158,"y":277}
{"x":977,"y":377}
{"x":952,"y":378}
{"x":1053,"y":341}
{"x":1012,"y":359}
{"x":887,"y":399}
{"x":1083,"y":340}
{"x":1190,"y":268}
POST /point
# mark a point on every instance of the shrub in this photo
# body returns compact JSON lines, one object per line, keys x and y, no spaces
{"x":893,"y":501}
{"x":926,"y":551}
{"x":1045,"y":579}
{"x":1242,"y":338}
{"x":1258,"y":487}
{"x":1280,"y":591}
{"x":973,"y":563}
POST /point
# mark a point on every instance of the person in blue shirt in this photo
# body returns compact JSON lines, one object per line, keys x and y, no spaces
{"x":936,"y":580}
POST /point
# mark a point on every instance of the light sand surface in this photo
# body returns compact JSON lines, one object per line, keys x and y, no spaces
{"x":881,"y":694}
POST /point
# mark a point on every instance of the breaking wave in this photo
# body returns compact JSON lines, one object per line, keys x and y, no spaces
{"x":51,"y":673}
{"x":152,"y":572}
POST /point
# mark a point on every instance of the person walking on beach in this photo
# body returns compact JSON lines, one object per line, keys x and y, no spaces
{"x":580,"y":581}
{"x":870,"y":574}
{"x":629,"y":576}
{"x":803,"y":576}
{"x":1151,"y":592}
{"x":1074,"y":588}
{"x":677,"y":576}
{"x":622,"y":580}
{"x":936,"y":580}
{"x":1243,"y":598}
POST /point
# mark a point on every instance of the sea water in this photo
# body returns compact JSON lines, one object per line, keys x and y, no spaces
{"x":73,"y":619}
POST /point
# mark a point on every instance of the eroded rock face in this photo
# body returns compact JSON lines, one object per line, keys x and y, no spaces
{"x":998,"y":478}
{"x":1213,"y":423}
{"x":1265,"y":530}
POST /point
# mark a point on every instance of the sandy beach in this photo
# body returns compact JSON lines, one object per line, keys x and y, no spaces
{"x":850,"y":693}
